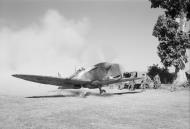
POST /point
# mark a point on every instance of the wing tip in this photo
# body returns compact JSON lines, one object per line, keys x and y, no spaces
{"x":17,"y":75}
{"x":14,"y":75}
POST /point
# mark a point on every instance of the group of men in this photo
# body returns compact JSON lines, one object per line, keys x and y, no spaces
{"x":146,"y":82}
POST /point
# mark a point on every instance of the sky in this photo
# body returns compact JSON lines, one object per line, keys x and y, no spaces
{"x":45,"y":37}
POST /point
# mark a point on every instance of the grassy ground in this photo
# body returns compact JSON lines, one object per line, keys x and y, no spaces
{"x":152,"y":109}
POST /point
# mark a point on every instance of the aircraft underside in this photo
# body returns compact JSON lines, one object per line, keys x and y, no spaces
{"x":89,"y":86}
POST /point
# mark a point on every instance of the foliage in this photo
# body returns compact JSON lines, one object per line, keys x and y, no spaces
{"x":165,"y":75}
{"x":173,"y":8}
{"x":173,"y":42}
{"x":153,"y":70}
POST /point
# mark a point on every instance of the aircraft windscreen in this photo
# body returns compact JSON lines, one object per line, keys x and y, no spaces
{"x":80,"y":73}
{"x":77,"y":72}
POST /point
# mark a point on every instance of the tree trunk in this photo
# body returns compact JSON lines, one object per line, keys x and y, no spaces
{"x":182,"y":22}
{"x":176,"y":73}
{"x":175,"y":83}
{"x":181,"y":77}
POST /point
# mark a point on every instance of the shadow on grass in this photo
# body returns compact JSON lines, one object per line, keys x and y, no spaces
{"x":79,"y":94}
{"x":110,"y":94}
{"x":51,"y":96}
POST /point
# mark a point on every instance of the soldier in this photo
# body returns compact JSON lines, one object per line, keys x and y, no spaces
{"x":143,"y":82}
{"x":157,"y":82}
{"x":148,"y":81}
{"x":131,"y":85}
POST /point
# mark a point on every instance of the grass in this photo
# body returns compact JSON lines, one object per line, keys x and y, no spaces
{"x":152,"y":109}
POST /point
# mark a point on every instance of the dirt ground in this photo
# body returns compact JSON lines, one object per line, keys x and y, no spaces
{"x":151,"y":109}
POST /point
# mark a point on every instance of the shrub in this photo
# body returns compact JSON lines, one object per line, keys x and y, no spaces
{"x":165,"y":76}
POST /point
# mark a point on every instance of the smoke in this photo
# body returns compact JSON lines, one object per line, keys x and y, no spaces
{"x":98,"y":52}
{"x":54,"y":39}
{"x":52,"y":44}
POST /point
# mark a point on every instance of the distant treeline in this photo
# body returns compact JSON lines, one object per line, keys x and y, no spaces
{"x":165,"y":76}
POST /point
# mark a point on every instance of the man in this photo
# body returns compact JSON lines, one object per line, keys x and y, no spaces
{"x":145,"y":81}
{"x":131,"y":85}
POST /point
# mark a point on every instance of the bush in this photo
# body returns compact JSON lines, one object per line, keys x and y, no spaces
{"x":165,"y":76}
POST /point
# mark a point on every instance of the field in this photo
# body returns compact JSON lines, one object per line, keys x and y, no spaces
{"x":151,"y":109}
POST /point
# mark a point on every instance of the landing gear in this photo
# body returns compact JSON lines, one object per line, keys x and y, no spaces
{"x":83,"y":94}
{"x":101,"y":90}
{"x":97,"y":84}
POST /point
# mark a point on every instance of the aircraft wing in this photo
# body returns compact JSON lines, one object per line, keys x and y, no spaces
{"x":112,"y":81}
{"x":50,"y":80}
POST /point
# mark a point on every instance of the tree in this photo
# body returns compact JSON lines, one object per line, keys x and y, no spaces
{"x":165,"y":76}
{"x":173,"y":40}
{"x":173,"y":43}
{"x":173,"y":8}
{"x":153,"y":70}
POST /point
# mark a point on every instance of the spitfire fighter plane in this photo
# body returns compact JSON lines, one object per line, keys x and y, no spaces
{"x":97,"y":76}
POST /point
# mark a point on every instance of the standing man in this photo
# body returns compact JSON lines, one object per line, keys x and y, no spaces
{"x":132,"y":85}
{"x":143,"y":82}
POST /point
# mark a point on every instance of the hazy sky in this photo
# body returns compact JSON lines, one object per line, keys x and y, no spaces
{"x":46,"y":37}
